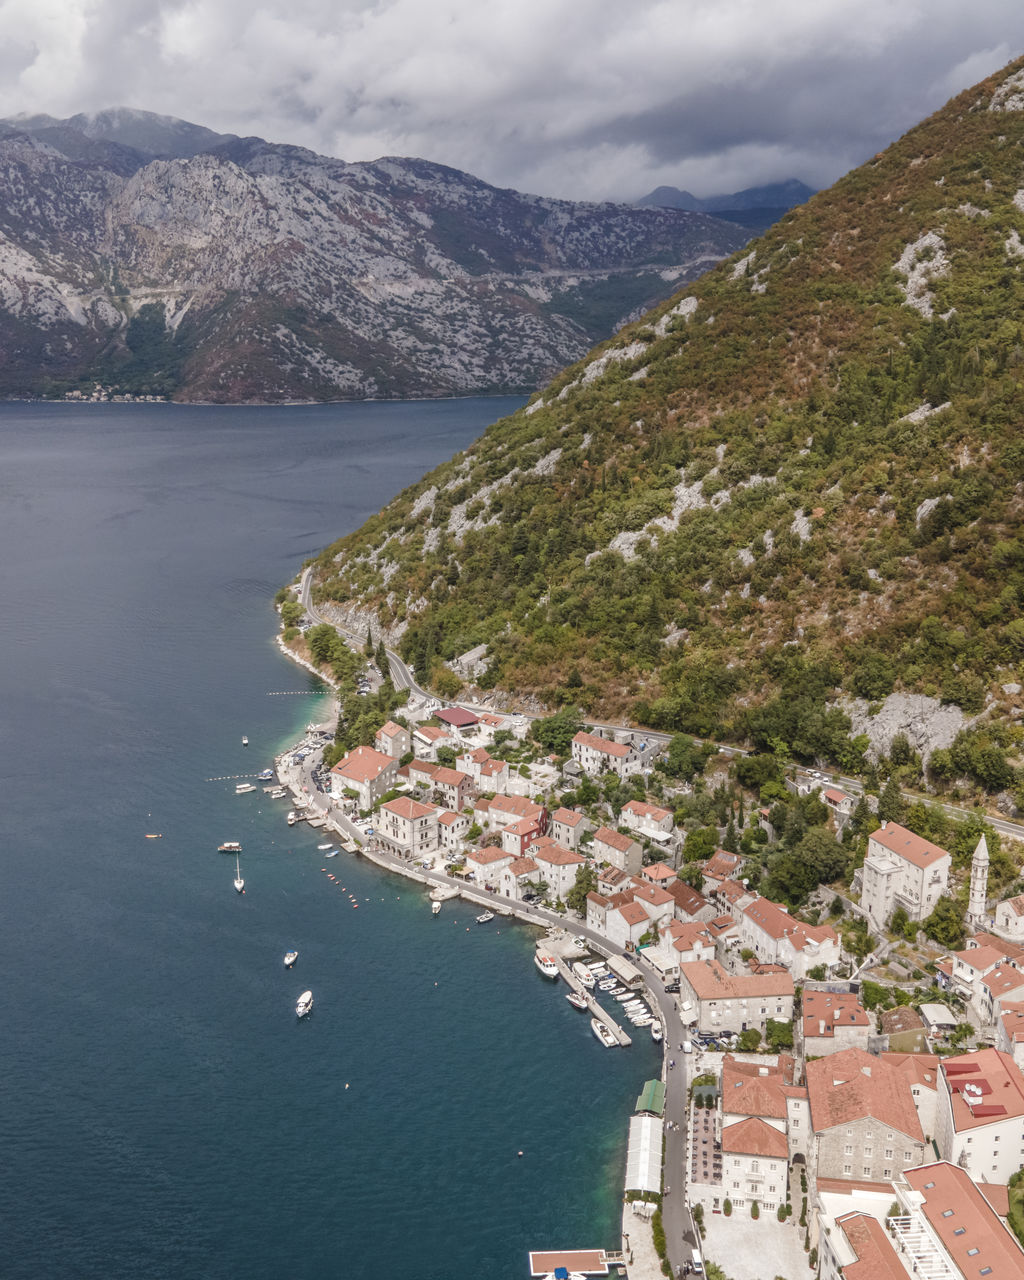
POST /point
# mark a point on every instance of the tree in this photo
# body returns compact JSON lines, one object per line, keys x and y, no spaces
{"x":700,"y":844}
{"x":586,"y":882}
{"x":556,"y":732}
{"x":946,"y":924}
{"x":891,"y":805}
{"x":749,"y":1040}
{"x":446,"y":756}
{"x":778,"y":1035}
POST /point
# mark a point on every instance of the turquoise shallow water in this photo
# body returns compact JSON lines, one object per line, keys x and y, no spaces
{"x":164,"y":1113}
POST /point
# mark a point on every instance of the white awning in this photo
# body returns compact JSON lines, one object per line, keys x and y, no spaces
{"x":643,"y":1160}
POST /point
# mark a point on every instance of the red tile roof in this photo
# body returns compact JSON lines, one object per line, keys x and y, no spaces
{"x":754,"y":1137}
{"x":363,"y":764}
{"x":484,"y":857}
{"x":824,"y":1011}
{"x":711,"y":982}
{"x":851,"y":1085}
{"x":407,"y":807}
{"x":522,"y":867}
{"x":614,"y":839}
{"x":643,"y":810}
{"x":968,"y":1226}
{"x":876,"y":1257}
{"x":458,"y":717}
{"x":546,"y":850}
{"x":567,"y":817}
{"x":722,"y":864}
{"x":986,"y":1087}
{"x":658,"y":871}
{"x":905,"y":844}
{"x":595,"y":743}
{"x":779,"y":924}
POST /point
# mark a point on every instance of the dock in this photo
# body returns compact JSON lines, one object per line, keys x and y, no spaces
{"x":600,"y":1013}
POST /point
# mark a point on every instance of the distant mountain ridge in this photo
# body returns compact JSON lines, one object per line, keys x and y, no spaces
{"x":154,"y":255}
{"x":798,"y":482}
{"x":754,"y":207}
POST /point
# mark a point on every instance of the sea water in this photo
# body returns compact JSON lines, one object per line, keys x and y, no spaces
{"x":164,"y":1113}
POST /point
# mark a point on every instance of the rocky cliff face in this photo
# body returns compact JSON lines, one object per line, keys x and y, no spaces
{"x":250,"y":271}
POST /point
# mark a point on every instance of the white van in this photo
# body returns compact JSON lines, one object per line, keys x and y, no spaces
{"x":687,"y":1046}
{"x":698,"y":1265}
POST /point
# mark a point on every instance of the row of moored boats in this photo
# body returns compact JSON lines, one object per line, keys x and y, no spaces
{"x":595,"y":976}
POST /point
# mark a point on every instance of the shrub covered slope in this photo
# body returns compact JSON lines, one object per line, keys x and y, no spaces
{"x":800,"y":477}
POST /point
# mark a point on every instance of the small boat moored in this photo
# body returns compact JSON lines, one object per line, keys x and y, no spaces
{"x":244,"y":788}
{"x":546,"y":965}
{"x":229,"y":846}
{"x":606,"y":1037}
{"x":245,"y":740}
{"x":304,"y":1004}
{"x":657,"y":1035}
{"x":322,"y":847}
{"x":154,"y":835}
{"x":435,"y":908}
{"x":485,"y":918}
{"x":577,"y":1000}
{"x":583,"y":973}
{"x":239,"y":882}
{"x":289,"y":958}
{"x":265,"y":775}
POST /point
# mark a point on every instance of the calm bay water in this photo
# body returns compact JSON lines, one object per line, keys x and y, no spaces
{"x":163,"y":1113}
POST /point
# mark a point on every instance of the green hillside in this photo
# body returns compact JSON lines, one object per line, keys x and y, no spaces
{"x":802,"y":477}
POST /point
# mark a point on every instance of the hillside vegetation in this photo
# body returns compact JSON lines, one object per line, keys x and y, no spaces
{"x":799,"y":479}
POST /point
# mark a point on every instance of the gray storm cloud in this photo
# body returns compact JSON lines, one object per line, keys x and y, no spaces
{"x":576,"y":98}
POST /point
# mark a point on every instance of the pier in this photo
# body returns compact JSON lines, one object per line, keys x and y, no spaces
{"x":597,"y":1010}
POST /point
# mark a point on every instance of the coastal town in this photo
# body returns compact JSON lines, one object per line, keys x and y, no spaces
{"x":840,"y":1094}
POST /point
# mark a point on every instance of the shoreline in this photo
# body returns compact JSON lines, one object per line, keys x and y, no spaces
{"x":538,"y":917}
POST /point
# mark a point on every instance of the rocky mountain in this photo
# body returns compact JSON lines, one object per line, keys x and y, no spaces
{"x":154,"y":255}
{"x":754,"y":207}
{"x":798,"y":483}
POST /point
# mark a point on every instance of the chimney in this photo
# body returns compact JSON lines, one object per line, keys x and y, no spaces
{"x":885,"y":823}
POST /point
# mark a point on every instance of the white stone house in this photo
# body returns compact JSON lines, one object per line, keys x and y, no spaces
{"x":367,"y":772}
{"x":408,"y":826}
{"x":755,"y":1164}
{"x":452,"y":829}
{"x":863,"y":1118}
{"x":618,"y":850}
{"x":487,"y":865}
{"x":518,"y":876}
{"x":834,"y":1021}
{"x":569,"y":827}
{"x":980,"y":1124}
{"x":1009,"y":918}
{"x":558,"y":865}
{"x":596,"y":755}
{"x":393,"y":740}
{"x":728,"y":1002}
{"x":649,"y":821}
{"x":902,"y":869}
{"x":426,"y":738}
{"x":776,"y":938}
{"x":625,"y":925}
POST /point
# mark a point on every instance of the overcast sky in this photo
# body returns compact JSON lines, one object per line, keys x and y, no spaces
{"x":587,"y":99}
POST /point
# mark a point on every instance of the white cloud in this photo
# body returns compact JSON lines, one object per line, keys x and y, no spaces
{"x":582,"y":98}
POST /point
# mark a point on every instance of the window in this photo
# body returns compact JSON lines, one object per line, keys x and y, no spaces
{"x":888,"y":1153}
{"x":846,"y":1168}
{"x":959,"y":1231}
{"x":886,"y":1173}
{"x":866,"y":1171}
{"x":847,"y":1150}
{"x":947,"y":1213}
{"x":735,"y":1186}
{"x":795,"y":1124}
{"x":971,"y":1252}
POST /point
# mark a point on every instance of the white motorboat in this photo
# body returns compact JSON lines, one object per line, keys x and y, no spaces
{"x":265,"y":775}
{"x":657,"y":1035}
{"x":583,"y":973}
{"x":331,"y":853}
{"x":606,"y":1037}
{"x":616,"y":991}
{"x":239,"y":882}
{"x":642,"y":1022}
{"x":623,"y":996}
{"x":546,"y":965}
{"x":435,"y":908}
{"x":229,"y":846}
{"x":244,"y":788}
{"x":606,"y":984}
{"x":304,"y":1004}
{"x":485,"y":918}
{"x":293,"y":817}
{"x":289,"y":958}
{"x":322,"y":847}
{"x":576,"y":1000}
{"x":245,"y":740}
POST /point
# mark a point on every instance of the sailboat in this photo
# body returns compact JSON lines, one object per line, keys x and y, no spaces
{"x":239,"y":882}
